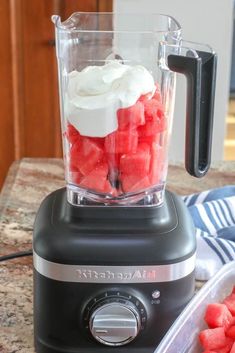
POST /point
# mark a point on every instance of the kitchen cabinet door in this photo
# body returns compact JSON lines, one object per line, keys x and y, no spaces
{"x":7,"y":143}
{"x":29,"y":115}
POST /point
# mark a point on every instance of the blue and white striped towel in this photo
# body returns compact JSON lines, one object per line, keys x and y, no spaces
{"x":213,"y":213}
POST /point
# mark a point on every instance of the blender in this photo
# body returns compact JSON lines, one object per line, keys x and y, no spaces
{"x":114,"y":252}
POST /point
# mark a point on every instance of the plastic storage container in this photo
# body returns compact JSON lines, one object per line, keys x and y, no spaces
{"x":183,"y":334}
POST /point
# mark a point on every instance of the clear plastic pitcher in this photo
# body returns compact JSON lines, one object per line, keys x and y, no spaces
{"x":117,"y":91}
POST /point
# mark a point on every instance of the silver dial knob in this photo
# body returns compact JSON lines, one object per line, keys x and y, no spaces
{"x":115,"y":324}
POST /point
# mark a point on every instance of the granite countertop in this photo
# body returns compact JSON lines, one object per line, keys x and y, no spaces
{"x":27,"y":183}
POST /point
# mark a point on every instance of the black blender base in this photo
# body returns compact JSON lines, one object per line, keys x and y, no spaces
{"x":88,"y":257}
{"x":41,"y":348}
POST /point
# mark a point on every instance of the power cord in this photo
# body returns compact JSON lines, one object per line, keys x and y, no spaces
{"x":16,"y":254}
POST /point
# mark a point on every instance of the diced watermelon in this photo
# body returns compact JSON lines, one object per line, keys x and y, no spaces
{"x":72,"y":167}
{"x":75,"y":177}
{"x":97,"y":178}
{"x":98,"y":140}
{"x":155,"y":120}
{"x":233,"y":348}
{"x":132,"y":183}
{"x":150,"y":139}
{"x":229,"y":301}
{"x":221,"y":338}
{"x":233,"y":321}
{"x":151,"y":128}
{"x":213,"y":338}
{"x":157,"y":95}
{"x":143,"y":146}
{"x":217,"y":315}
{"x":154,"y":117}
{"x":230,"y":332}
{"x":85,"y":154}
{"x":72,"y":134}
{"x":145,"y":97}
{"x":156,"y":164}
{"x":121,"y":141}
{"x":136,"y":163}
{"x":153,"y":110}
{"x":131,"y":117}
{"x":226,"y":348}
{"x":109,"y":189}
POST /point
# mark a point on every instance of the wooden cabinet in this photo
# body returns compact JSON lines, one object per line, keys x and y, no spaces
{"x":29,"y":115}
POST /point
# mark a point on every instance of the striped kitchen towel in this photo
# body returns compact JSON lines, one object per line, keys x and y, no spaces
{"x":213,"y":213}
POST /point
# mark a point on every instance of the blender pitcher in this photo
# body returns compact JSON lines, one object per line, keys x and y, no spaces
{"x":117,"y":91}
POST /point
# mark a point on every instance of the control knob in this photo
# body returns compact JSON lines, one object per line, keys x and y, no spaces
{"x":115,"y":323}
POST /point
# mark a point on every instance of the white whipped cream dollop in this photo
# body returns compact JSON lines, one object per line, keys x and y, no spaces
{"x":96,"y":93}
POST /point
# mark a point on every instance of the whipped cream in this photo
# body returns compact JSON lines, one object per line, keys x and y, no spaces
{"x":96,"y":93}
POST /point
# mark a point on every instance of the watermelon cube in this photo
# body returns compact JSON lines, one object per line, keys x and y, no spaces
{"x":213,"y":339}
{"x":145,"y":97}
{"x":108,"y":189}
{"x":97,"y":178}
{"x":233,"y":321}
{"x":230,"y":332}
{"x":136,"y":163}
{"x":155,"y":120}
{"x":133,"y":183}
{"x":225,"y":349}
{"x":131,"y":117}
{"x":72,"y":167}
{"x":152,"y":128}
{"x":75,"y":177}
{"x":157,"y":162}
{"x":72,"y":134}
{"x":85,"y":154}
{"x":157,"y":95}
{"x":121,"y":141}
{"x":233,"y":348}
{"x":98,"y":140}
{"x":149,"y":139}
{"x":153,"y":110}
{"x":217,"y":315}
{"x":229,"y":301}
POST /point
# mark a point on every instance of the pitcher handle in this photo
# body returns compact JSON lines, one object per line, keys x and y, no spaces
{"x":200,"y":73}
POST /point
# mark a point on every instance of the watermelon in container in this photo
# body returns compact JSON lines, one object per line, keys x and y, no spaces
{"x":209,"y":304}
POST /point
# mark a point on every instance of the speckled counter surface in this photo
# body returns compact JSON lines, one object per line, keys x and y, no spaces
{"x":27,"y":183}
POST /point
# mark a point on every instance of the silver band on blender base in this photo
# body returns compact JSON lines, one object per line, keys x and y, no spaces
{"x":113,"y":274}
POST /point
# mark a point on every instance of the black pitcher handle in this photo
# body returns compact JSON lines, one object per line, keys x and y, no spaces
{"x":201,"y":77}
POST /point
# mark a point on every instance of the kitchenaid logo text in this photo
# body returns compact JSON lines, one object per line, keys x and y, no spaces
{"x":87,"y":274}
